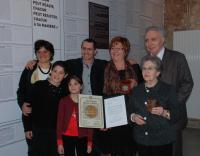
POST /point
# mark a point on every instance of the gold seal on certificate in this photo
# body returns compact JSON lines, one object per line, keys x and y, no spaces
{"x":91,"y":111}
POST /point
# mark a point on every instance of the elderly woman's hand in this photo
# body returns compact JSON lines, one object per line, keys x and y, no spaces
{"x":138,"y":119}
{"x":157,"y":110}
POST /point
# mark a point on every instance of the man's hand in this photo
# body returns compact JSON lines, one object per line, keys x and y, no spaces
{"x":29,"y":135}
{"x":26,"y":109}
{"x":30,"y":64}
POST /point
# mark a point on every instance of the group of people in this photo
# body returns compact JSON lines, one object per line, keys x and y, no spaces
{"x":155,"y":96}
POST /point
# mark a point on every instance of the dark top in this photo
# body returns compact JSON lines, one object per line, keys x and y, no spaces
{"x":157,"y":130}
{"x":44,"y":100}
{"x":75,"y":67}
{"x":25,"y":86}
{"x":24,"y":92}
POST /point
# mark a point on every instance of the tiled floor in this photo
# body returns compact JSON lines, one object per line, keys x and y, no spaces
{"x":191,"y":142}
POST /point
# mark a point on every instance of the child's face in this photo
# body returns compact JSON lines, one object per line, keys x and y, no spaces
{"x":57,"y":74}
{"x":74,"y":87}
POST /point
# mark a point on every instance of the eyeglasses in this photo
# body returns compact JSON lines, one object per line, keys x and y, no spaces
{"x":148,"y":69}
{"x":116,"y":49}
{"x":87,"y":49}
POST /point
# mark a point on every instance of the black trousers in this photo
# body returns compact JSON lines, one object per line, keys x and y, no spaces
{"x":72,"y":144}
{"x":43,"y":143}
{"x":163,"y":150}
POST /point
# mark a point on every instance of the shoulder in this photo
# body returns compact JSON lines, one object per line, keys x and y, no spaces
{"x":165,"y":87}
{"x":138,"y":89}
{"x":29,"y":71}
{"x":77,"y":60}
{"x":99,"y":61}
{"x":174,"y":53}
{"x":64,"y":99}
{"x":41,"y":83}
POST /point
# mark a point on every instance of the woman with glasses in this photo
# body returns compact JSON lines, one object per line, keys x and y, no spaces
{"x":120,"y":77}
{"x":154,"y":111}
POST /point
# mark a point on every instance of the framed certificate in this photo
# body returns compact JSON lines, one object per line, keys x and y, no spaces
{"x":115,"y":111}
{"x":91,"y":111}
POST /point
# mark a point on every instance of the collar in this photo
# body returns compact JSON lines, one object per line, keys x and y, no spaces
{"x":87,"y":65}
{"x":161,"y":53}
{"x":154,"y":88}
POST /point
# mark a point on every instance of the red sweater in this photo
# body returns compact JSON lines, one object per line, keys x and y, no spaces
{"x":65,"y":112}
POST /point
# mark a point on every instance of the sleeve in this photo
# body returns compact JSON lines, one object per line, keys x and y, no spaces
{"x":131,"y":108}
{"x":27,"y":123}
{"x":60,"y":121}
{"x":173,"y":106}
{"x":27,"y":120}
{"x":21,"y":92}
{"x":185,"y":81}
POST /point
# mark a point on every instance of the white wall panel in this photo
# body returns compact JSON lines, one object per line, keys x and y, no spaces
{"x":187,"y":42}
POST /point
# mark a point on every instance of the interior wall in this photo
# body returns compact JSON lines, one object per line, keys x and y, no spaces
{"x":180,"y":15}
{"x":127,"y":18}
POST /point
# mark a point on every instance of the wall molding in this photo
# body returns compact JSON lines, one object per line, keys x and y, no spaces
{"x":193,"y":123}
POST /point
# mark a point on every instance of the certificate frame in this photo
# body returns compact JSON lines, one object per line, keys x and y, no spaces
{"x":115,"y":111}
{"x":91,"y":111}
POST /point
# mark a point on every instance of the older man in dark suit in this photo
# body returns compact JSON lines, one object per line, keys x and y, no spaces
{"x":176,"y":72}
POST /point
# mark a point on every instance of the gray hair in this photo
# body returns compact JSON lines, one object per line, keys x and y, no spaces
{"x":156,"y":28}
{"x":154,"y":59}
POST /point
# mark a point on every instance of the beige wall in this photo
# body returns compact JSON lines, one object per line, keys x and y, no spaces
{"x":181,"y":15}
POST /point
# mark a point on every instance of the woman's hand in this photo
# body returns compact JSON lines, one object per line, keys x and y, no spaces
{"x":157,"y":110}
{"x":138,"y":119}
{"x":89,"y":149}
{"x":60,"y":149}
{"x":29,"y":134}
{"x":26,"y":109}
{"x":133,"y":83}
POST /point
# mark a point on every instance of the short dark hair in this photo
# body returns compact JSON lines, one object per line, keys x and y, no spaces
{"x":90,"y":40}
{"x":154,"y":59}
{"x":61,"y":64}
{"x":46,"y":44}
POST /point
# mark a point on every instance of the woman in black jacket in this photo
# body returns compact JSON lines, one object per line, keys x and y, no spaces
{"x":154,"y":111}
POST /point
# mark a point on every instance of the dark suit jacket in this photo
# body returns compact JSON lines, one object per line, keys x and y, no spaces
{"x":75,"y":67}
{"x":176,"y":72}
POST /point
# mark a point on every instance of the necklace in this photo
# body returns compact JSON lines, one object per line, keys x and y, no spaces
{"x":43,"y":71}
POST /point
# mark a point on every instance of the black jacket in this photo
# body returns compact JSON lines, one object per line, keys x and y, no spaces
{"x":157,"y":130}
{"x":177,"y":73}
{"x":24,"y":94}
{"x":75,"y":67}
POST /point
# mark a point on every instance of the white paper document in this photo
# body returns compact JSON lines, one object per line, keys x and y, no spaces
{"x":115,"y":111}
